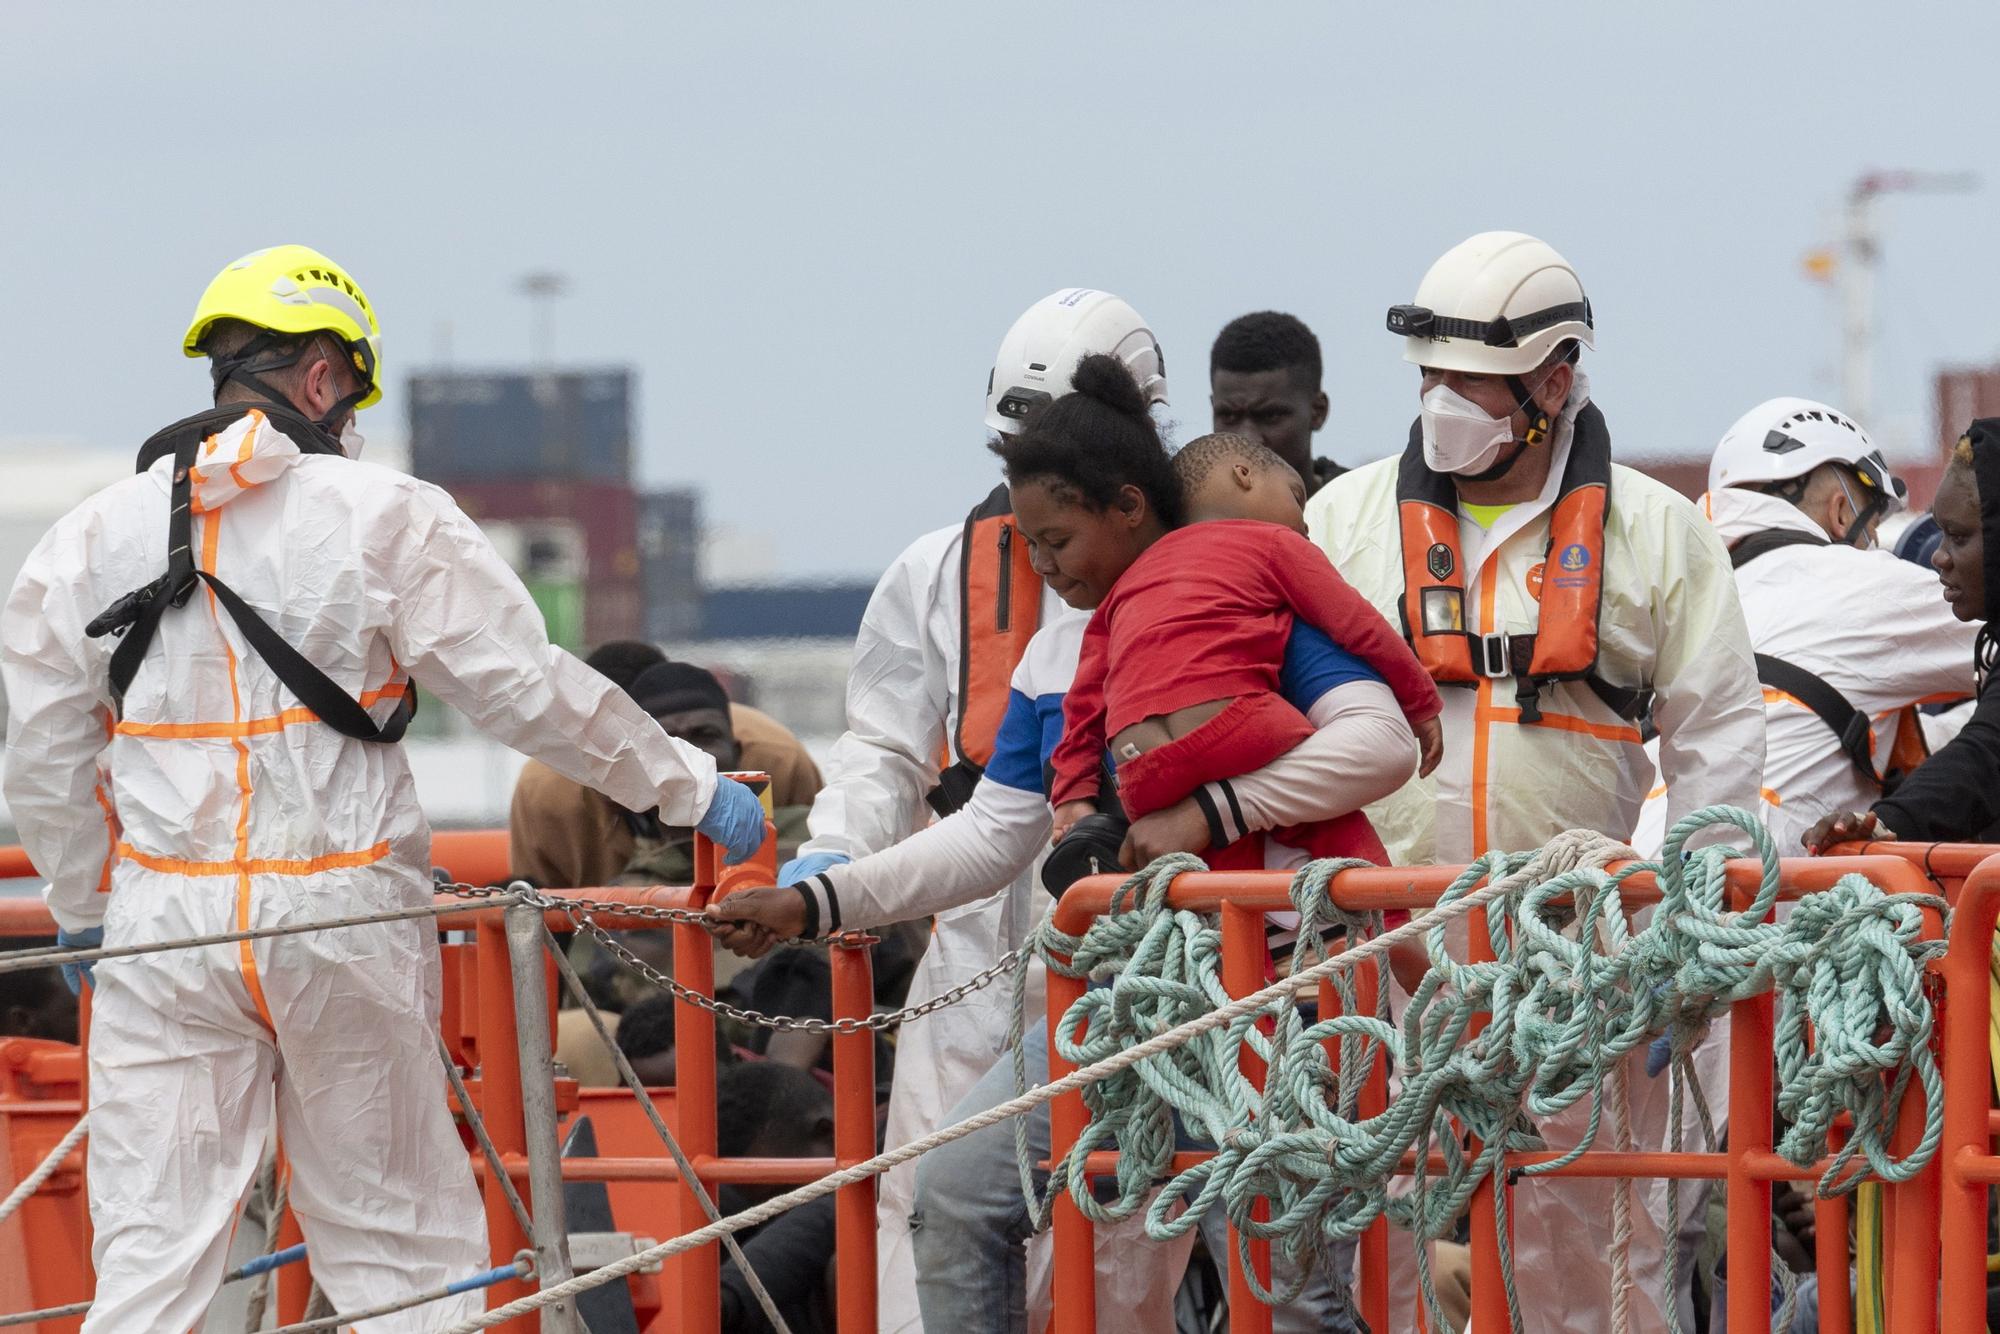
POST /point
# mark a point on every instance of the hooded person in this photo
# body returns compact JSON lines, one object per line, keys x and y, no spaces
{"x":214,"y":750}
{"x":1563,"y":602}
{"x":1796,"y":491}
{"x":1954,"y":796}
{"x":945,"y":629}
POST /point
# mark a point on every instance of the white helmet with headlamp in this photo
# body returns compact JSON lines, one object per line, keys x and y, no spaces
{"x":1500,"y":303}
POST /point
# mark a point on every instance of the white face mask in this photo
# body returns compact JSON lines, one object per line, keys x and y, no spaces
{"x":1459,"y":435}
{"x":351,"y":440}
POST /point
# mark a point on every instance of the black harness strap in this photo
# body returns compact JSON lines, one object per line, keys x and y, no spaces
{"x":1771,"y":539}
{"x":136,"y":616}
{"x":1848,"y":724}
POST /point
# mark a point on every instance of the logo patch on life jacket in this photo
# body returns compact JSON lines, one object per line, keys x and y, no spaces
{"x":1575,"y":556}
{"x":1534,"y":581}
{"x":1440,"y":560}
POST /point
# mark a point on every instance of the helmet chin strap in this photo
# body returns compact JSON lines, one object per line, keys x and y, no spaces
{"x":1538,"y":432}
{"x":1857,"y":535}
{"x":246,"y":370}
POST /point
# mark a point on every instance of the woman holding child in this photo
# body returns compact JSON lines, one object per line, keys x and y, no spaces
{"x":1094,"y":489}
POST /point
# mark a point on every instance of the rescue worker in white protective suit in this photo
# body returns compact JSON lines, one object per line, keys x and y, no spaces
{"x":1562,"y":599}
{"x":944,"y":630}
{"x":210,"y":749}
{"x":1796,"y":491}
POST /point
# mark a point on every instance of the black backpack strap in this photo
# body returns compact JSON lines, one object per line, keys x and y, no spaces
{"x":1847,"y":722}
{"x":1771,"y":539}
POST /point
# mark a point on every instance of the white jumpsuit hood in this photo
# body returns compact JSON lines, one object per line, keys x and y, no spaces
{"x":213,"y":803}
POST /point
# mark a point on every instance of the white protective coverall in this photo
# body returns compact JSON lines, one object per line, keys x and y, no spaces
{"x":216,"y":804}
{"x":1902,"y":646}
{"x":902,"y":707}
{"x":1669,"y":619}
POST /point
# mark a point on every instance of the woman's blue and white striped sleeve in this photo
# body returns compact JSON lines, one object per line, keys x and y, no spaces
{"x":980,"y":850}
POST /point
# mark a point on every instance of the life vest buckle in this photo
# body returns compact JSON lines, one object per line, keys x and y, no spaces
{"x":1493,"y":655}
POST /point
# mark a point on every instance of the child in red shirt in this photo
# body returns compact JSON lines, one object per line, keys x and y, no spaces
{"x":1179,"y":666}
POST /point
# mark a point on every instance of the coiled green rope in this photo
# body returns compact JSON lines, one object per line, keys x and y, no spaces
{"x":1573,"y":989}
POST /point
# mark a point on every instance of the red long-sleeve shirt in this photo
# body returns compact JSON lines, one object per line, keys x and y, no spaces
{"x":1204,"y":614}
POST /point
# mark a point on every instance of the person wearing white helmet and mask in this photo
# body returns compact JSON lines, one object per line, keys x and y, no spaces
{"x":212,"y":749}
{"x":944,"y":630}
{"x":1562,"y":601}
{"x":1796,"y":491}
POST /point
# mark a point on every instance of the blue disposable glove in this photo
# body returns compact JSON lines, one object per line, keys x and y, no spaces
{"x":1659,"y":1054}
{"x":90,"y":938}
{"x":810,"y":864}
{"x":735,"y":819}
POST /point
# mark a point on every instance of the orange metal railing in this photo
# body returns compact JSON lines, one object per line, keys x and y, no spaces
{"x":1946,"y":1204}
{"x":1966,"y":1152}
{"x":1748,"y":1166}
{"x":479,"y":1025}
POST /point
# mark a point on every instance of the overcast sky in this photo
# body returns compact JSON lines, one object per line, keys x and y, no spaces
{"x":807,"y":226}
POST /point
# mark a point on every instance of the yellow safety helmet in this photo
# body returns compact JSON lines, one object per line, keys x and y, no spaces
{"x":292,"y":289}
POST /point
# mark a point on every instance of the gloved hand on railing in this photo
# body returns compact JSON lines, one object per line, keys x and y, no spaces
{"x":90,"y":938}
{"x":809,"y":864}
{"x":735,"y":819}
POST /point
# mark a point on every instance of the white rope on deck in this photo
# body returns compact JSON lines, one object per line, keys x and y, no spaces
{"x":33,"y":1181}
{"x":1026,"y":1102}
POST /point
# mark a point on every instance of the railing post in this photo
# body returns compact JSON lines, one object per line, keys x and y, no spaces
{"x":500,"y":1101}
{"x":1911,"y":1213}
{"x":854,"y":1141}
{"x":1968,"y":1072}
{"x":1489,"y":1276}
{"x":1371,"y":1282}
{"x":700,"y":1270}
{"x":525,"y":937}
{"x":1074,"y":1290}
{"x":1243,"y":953}
{"x":1752,"y":1030}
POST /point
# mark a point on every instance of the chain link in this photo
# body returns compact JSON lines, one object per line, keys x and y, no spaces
{"x":579,"y":912}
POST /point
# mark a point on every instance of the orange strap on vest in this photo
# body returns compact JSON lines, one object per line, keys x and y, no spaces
{"x":1563,"y":646}
{"x":1908,"y":750}
{"x":1000,"y":602}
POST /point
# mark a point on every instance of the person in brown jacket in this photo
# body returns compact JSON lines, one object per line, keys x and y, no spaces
{"x":562,"y":835}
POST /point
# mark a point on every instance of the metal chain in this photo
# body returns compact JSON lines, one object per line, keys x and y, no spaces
{"x":579,"y":912}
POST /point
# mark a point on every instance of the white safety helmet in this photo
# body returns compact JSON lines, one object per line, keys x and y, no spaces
{"x":1786,"y":438}
{"x":1496,"y":304}
{"x":1039,"y":354}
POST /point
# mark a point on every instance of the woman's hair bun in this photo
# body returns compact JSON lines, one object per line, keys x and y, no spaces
{"x":1105,"y":379}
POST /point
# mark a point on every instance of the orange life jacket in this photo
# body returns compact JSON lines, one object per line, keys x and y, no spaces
{"x":1563,"y":646}
{"x":999,"y":610}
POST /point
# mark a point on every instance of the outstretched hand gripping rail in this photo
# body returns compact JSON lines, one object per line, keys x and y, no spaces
{"x":1749,"y":1164}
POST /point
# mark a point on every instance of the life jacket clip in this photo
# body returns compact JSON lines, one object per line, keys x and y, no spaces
{"x":1493,"y":655}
